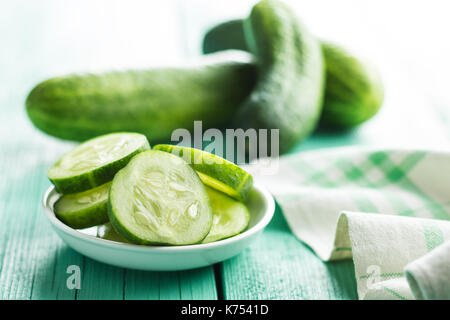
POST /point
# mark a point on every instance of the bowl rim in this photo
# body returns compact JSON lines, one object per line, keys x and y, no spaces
{"x":259,"y":226}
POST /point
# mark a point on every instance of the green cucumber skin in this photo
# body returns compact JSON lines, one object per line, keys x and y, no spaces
{"x":353,"y":89}
{"x":225,"y":36}
{"x":289,"y":92}
{"x":95,"y":177}
{"x":152,"y":102}
{"x":80,"y":215}
{"x":91,"y":217}
{"x":239,"y":180}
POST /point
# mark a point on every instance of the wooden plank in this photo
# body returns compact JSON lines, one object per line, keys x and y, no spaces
{"x":29,"y":264}
{"x":50,"y":274}
{"x":197,"y":284}
{"x":101,"y":281}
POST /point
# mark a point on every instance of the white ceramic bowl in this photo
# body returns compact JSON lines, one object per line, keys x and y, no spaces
{"x":164,"y":258}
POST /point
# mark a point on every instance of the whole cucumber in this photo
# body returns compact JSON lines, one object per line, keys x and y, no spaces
{"x":153,"y":102}
{"x":353,"y":88}
{"x":225,"y":36}
{"x":289,"y":91}
{"x":353,"y":91}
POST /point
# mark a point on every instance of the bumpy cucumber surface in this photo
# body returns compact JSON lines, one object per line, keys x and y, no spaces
{"x":230,"y":217}
{"x":152,"y":102}
{"x":95,"y":161}
{"x":159,"y":199}
{"x":288,"y":94}
{"x":85,"y":209}
{"x":353,"y":88}
{"x":214,"y":171}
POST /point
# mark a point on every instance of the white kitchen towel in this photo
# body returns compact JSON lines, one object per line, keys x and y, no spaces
{"x":428,"y":276}
{"x":383,"y":208}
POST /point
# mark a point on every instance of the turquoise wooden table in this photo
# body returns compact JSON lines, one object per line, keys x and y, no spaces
{"x":41,"y":39}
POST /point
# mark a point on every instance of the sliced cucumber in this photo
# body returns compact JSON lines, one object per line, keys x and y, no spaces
{"x":84,"y":209}
{"x":230,"y":217}
{"x":95,"y":161}
{"x":216,"y":172}
{"x":159,"y":199}
{"x":107,"y":232}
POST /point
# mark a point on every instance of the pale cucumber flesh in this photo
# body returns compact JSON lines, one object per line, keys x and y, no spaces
{"x":95,"y":161}
{"x":158,"y":199}
{"x":230,"y":217}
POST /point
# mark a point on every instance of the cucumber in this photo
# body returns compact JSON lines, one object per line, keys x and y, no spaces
{"x":225,"y":36}
{"x":85,"y":209}
{"x":214,"y":171}
{"x":230,"y":217}
{"x":353,"y":88}
{"x":153,"y":102}
{"x":288,"y":94}
{"x":95,"y":162}
{"x":159,"y":199}
{"x":107,"y":232}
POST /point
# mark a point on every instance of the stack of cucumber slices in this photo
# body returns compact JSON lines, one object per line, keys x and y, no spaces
{"x":168,"y":195}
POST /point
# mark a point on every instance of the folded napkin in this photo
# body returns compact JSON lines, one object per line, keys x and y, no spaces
{"x":428,"y":277}
{"x":385,"y":209}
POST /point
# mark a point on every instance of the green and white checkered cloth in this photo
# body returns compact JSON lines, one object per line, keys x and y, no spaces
{"x":386,"y":209}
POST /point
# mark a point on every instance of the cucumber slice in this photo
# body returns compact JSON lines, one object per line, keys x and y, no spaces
{"x":230,"y":217}
{"x":84,"y":209}
{"x":216,"y":172}
{"x":95,"y":161}
{"x":107,"y":232}
{"x":158,"y":199}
